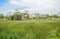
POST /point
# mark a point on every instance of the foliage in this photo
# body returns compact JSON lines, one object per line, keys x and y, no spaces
{"x":1,"y":16}
{"x":32,"y":29}
{"x":16,"y":16}
{"x":26,"y":15}
{"x":55,"y":16}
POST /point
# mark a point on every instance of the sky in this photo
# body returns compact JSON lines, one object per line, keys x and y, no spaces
{"x":33,"y":6}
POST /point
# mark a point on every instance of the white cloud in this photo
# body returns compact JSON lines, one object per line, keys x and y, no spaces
{"x":35,"y":5}
{"x":13,"y":2}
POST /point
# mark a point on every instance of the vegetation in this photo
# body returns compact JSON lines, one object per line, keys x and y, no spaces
{"x":30,"y":29}
{"x":1,"y":16}
{"x":13,"y":27}
{"x":16,"y":16}
{"x":22,"y":16}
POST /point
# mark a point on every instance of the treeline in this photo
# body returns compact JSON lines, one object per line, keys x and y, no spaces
{"x":15,"y":16}
{"x":23,"y":16}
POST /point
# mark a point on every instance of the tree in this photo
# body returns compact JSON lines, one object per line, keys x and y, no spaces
{"x":26,"y":15}
{"x":1,"y":16}
{"x":56,"y":16}
{"x":16,"y":16}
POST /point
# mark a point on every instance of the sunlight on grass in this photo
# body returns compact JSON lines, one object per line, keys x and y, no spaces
{"x":36,"y":29}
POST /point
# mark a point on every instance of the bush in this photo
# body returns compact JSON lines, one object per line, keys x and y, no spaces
{"x":1,"y":16}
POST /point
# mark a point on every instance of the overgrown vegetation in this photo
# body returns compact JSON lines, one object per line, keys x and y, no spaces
{"x":30,"y":29}
{"x":44,"y":27}
{"x":24,"y":16}
{"x":1,"y":16}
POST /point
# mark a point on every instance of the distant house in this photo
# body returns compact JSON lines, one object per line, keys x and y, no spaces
{"x":24,"y":16}
{"x":19,"y":16}
{"x":31,"y":16}
{"x":38,"y":16}
{"x":43,"y":15}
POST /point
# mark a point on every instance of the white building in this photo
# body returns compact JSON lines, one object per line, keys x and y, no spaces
{"x":38,"y":15}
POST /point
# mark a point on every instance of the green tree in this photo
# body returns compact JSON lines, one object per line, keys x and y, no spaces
{"x":1,"y":16}
{"x":16,"y":16}
{"x":26,"y":15}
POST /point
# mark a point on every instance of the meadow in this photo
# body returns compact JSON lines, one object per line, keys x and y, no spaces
{"x":30,"y":29}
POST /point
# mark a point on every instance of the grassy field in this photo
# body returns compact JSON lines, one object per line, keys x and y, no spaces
{"x":30,"y":29}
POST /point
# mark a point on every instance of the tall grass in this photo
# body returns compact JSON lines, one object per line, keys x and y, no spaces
{"x":37,"y":29}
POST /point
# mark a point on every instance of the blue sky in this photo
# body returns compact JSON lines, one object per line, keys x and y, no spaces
{"x":2,"y":2}
{"x":33,"y":6}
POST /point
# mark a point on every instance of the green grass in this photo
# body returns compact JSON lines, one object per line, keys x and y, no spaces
{"x":30,"y":29}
